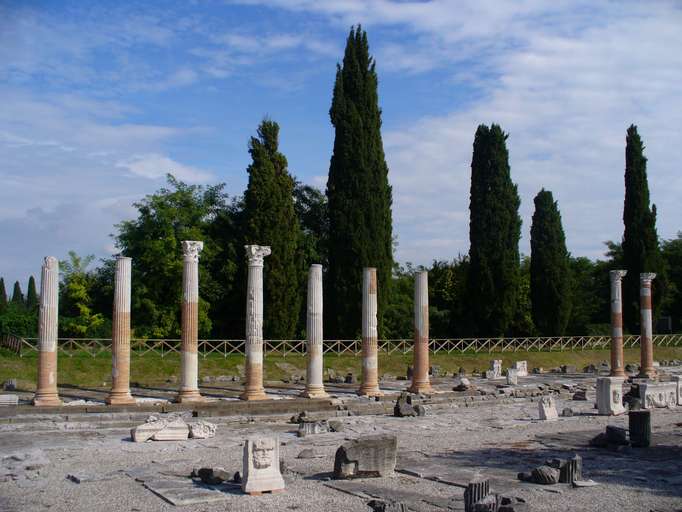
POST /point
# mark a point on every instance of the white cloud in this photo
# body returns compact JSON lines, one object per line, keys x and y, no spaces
{"x":155,"y":166}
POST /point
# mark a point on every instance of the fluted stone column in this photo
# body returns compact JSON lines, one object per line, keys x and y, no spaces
{"x":370,"y":339}
{"x":189,"y":378}
{"x":46,"y":394}
{"x":120,"y":336}
{"x":253,"y":388}
{"x":617,"y":369}
{"x":646,"y":331}
{"x":314,"y":386}
{"x":420,"y":351}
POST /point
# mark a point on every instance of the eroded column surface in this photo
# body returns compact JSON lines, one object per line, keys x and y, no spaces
{"x":370,"y":341}
{"x":314,"y":387}
{"x":617,"y":363}
{"x":646,"y":332}
{"x":189,"y":378}
{"x":420,"y":375}
{"x":253,"y":388}
{"x":46,"y":393}
{"x":120,"y":336}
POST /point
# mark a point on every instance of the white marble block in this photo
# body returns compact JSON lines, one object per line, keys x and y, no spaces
{"x":512,"y":376}
{"x":261,"y":466}
{"x":495,"y":371}
{"x":610,"y":396}
{"x":521,"y":368}
{"x":677,"y":379}
{"x":547,"y":408}
{"x":658,"y":394}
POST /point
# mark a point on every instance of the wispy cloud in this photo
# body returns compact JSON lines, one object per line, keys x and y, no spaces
{"x":156,"y":166}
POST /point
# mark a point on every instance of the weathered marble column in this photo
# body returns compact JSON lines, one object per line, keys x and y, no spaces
{"x":646,"y":331}
{"x":46,"y":394}
{"x":253,"y":388}
{"x":420,"y":375}
{"x":120,"y":336}
{"x":189,"y":371}
{"x":617,"y":369}
{"x":314,"y":387}
{"x":370,"y":339}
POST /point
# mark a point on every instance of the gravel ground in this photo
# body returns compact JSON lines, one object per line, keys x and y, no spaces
{"x":498,"y":440}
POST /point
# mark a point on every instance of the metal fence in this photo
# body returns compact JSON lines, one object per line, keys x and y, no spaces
{"x":163,"y":347}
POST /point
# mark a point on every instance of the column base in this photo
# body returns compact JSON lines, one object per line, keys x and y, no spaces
{"x":314,"y":393}
{"x":47,"y":400}
{"x":189,"y":396}
{"x":420,"y":388}
{"x":647,"y":374}
{"x":617,"y":373}
{"x":253,"y":394}
{"x":120,"y":398}
{"x":370,"y":391}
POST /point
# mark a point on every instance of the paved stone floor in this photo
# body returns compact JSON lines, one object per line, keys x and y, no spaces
{"x":437,"y":455}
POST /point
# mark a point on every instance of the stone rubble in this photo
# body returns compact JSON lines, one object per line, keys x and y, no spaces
{"x":172,"y":428}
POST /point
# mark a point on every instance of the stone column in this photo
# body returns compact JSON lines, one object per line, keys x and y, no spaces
{"x":314,"y":387}
{"x":370,"y":341}
{"x":253,"y":388}
{"x":420,"y":374}
{"x":46,"y":394}
{"x":120,"y":336}
{"x":617,"y":363}
{"x":646,"y":332}
{"x":189,"y":378}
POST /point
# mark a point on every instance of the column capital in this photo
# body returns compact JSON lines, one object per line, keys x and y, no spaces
{"x":191,"y":249}
{"x":50,"y":262}
{"x":617,"y":275}
{"x":123,"y":258}
{"x":645,"y":278}
{"x":256,"y":253}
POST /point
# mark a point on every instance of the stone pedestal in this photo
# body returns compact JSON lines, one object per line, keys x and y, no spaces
{"x":547,"y":408}
{"x":120,"y":336}
{"x":521,"y":368}
{"x":658,"y":394}
{"x":46,"y":392}
{"x":512,"y":377}
{"x":647,"y":369}
{"x":253,"y":387}
{"x":314,"y":387}
{"x":420,"y":372}
{"x":189,"y":371}
{"x":610,"y":396}
{"x":495,"y":371}
{"x":370,"y":340}
{"x":617,"y":363}
{"x":261,"y":466}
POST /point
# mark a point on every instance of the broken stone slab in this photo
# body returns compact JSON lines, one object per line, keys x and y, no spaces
{"x":545,"y":475}
{"x":369,"y":456}
{"x":308,"y":453}
{"x":387,"y":506}
{"x":584,"y":483}
{"x":201,"y":430}
{"x":174,"y":430}
{"x":6,"y":400}
{"x":146,"y":431}
{"x":461,"y":384}
{"x":261,"y":466}
{"x":547,"y":409}
{"x":312,"y":427}
{"x":181,"y":492}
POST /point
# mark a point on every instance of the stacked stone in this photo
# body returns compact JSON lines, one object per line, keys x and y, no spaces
{"x":420,"y":373}
{"x":189,"y":386}
{"x":647,"y":369}
{"x":370,"y":340}
{"x":617,"y":363}
{"x":253,"y":387}
{"x":314,"y":387}
{"x":46,"y":393}
{"x":120,"y":336}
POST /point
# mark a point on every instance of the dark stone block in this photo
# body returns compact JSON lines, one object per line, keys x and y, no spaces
{"x":369,"y":456}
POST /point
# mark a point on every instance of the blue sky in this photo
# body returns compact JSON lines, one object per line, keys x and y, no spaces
{"x":101,"y":99}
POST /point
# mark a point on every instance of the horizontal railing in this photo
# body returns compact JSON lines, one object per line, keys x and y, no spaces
{"x":162,"y":347}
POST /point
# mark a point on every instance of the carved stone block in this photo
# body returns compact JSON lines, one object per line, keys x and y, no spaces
{"x":261,"y":466}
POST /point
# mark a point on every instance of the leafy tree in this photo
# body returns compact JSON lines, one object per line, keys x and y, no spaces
{"x":270,"y":219}
{"x":17,"y":296}
{"x":494,"y":232}
{"x":312,"y":211}
{"x":77,"y":317}
{"x":523,"y":325}
{"x":360,"y":197}
{"x":399,"y":315}
{"x":32,"y":294}
{"x":447,"y":297}
{"x":641,"y":252}
{"x":18,"y":320}
{"x":550,"y":288}
{"x":3,"y":296}
{"x":672,"y":254}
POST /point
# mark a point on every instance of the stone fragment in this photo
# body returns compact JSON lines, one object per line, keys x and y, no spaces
{"x":306,"y":428}
{"x":584,"y":483}
{"x":590,"y":368}
{"x":658,"y":394}
{"x":567,"y":412}
{"x":212,"y":476}
{"x":146,"y":431}
{"x":521,"y":368}
{"x":10,"y":385}
{"x":485,"y":504}
{"x":403,"y":407}
{"x":677,"y":380}
{"x":476,"y":490}
{"x":174,"y":430}
{"x":434,"y":370}
{"x":201,"y":430}
{"x":335,"y":426}
{"x":511,"y":504}
{"x":632,"y":368}
{"x":545,"y":475}
{"x":308,"y":453}
{"x":420,"y":410}
{"x":9,"y":400}
{"x":568,"y":368}
{"x":495,"y":370}
{"x":547,"y":408}
{"x":368,"y":456}
{"x":512,"y":377}
{"x":387,"y":506}
{"x":610,"y":396}
{"x":639,"y":423}
{"x":461,"y":384}
{"x":538,"y":371}
{"x":261,"y":471}
{"x":616,"y":435}
{"x":569,"y":470}
{"x":581,"y":395}
{"x":350,"y":379}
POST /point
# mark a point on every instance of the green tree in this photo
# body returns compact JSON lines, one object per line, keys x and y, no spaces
{"x":672,"y":254}
{"x":77,"y":317}
{"x":360,"y":197}
{"x":550,"y":287}
{"x":32,"y":294}
{"x":270,"y":219}
{"x":3,"y":296}
{"x":494,"y":232}
{"x":17,"y":295}
{"x":641,"y":251}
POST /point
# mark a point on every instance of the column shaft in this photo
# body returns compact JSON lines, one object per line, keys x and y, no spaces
{"x":120,"y":336}
{"x":46,"y":393}
{"x":646,"y":331}
{"x":314,"y":387}
{"x":617,"y":368}
{"x":370,"y":341}
{"x":420,"y":351}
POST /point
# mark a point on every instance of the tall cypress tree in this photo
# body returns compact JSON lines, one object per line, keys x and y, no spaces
{"x":3,"y":296}
{"x":641,"y":252}
{"x":360,"y":197}
{"x":494,"y":232}
{"x":270,"y":219}
{"x":31,"y":294}
{"x":550,"y":282}
{"x":17,"y":296}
